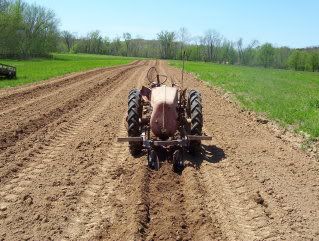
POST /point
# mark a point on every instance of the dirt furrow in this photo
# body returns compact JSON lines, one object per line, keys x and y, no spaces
{"x":63,"y":167}
{"x":59,"y":91}
{"x":23,"y":126}
{"x":16,"y":96}
{"x":99,"y":209}
{"x":99,"y":204}
{"x":47,"y":136}
{"x":165,"y":203}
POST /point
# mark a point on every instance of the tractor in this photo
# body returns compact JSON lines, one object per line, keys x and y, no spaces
{"x":8,"y":71}
{"x":165,"y":121}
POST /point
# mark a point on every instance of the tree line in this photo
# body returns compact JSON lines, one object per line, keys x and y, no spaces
{"x":29,"y":30}
{"x":211,"y":47}
{"x":26,"y":30}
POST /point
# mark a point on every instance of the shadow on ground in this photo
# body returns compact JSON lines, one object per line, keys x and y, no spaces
{"x":209,"y":153}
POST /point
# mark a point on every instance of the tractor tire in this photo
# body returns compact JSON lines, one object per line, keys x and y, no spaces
{"x":133,"y":120}
{"x":196,"y":115}
{"x":10,"y":75}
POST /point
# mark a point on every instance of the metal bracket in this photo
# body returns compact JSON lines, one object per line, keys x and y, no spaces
{"x":129,"y":139}
{"x":179,"y":142}
{"x":199,"y":138}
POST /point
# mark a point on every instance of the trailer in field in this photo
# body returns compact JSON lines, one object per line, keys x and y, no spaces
{"x":7,"y":71}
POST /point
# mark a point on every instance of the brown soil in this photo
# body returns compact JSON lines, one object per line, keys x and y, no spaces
{"x":63,"y":177}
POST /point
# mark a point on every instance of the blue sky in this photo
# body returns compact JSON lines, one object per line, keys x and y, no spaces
{"x":291,"y":23}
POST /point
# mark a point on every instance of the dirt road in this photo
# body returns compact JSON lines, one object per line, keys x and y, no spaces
{"x":62,"y":176}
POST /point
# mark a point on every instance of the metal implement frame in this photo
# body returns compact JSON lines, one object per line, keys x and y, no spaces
{"x":148,"y":144}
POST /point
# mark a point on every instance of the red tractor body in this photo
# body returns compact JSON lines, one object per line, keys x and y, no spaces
{"x":164,"y":101}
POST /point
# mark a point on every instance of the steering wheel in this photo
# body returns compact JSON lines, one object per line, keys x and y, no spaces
{"x":154,"y":77}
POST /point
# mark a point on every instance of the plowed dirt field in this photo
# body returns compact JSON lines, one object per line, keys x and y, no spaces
{"x":63,"y":176}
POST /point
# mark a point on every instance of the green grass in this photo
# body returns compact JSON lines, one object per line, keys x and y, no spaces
{"x":34,"y":70}
{"x":290,"y":97}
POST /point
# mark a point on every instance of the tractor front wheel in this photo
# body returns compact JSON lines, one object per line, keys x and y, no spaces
{"x":133,"y":120}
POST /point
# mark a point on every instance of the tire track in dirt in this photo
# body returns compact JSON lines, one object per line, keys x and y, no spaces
{"x":13,"y":96}
{"x":24,"y":128}
{"x":67,"y":87}
{"x":243,"y":215}
{"x":98,"y":208}
{"x":31,"y":151}
{"x":107,"y":83}
{"x":262,"y":188}
{"x":42,"y":156}
{"x":44,"y":161}
{"x":64,"y":129}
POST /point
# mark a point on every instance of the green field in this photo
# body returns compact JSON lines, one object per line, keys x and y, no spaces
{"x":29,"y":71}
{"x":290,"y":97}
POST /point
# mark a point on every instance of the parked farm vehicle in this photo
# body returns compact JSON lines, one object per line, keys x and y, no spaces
{"x":8,"y":71}
{"x":166,"y":121}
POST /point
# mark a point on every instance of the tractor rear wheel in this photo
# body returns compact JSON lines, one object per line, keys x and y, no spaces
{"x":133,"y":120}
{"x":196,"y":115}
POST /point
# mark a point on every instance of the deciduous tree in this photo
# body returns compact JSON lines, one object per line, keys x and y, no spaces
{"x":266,"y":55}
{"x":69,"y":39}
